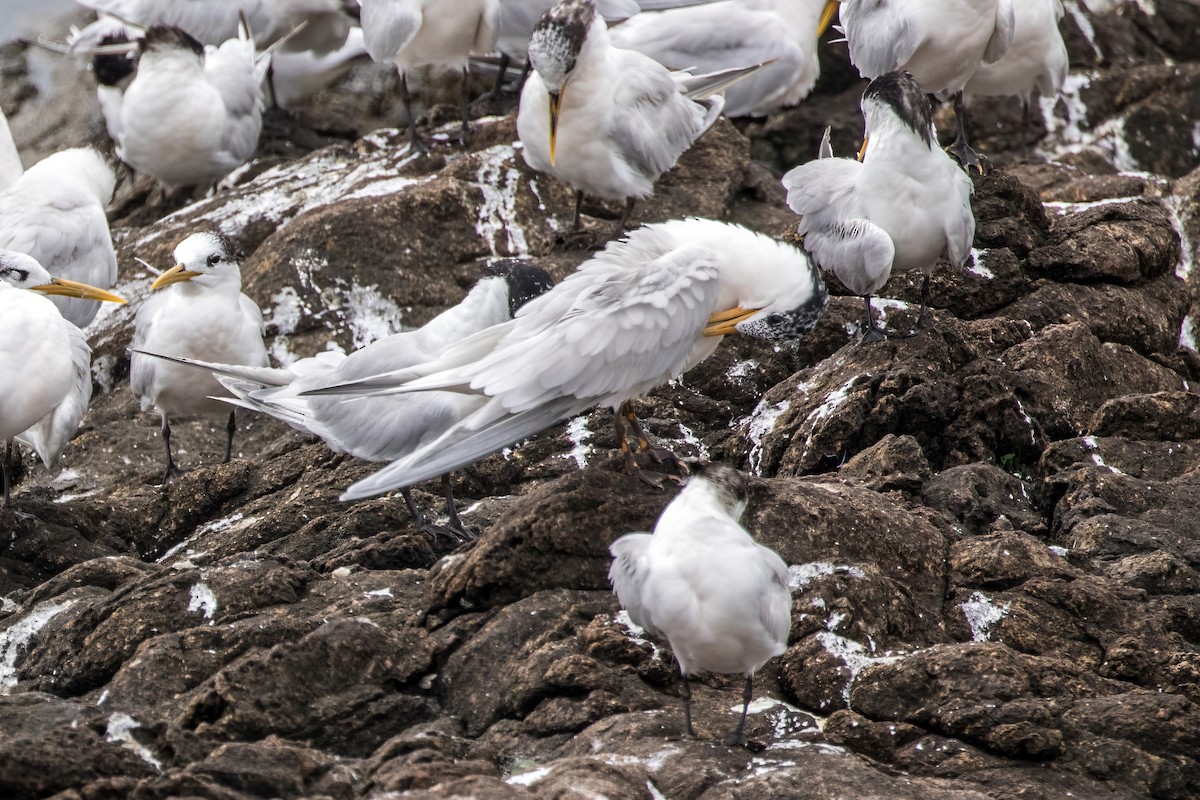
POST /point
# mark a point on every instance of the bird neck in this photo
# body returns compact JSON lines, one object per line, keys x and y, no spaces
{"x":699,"y":499}
{"x":892,"y":138}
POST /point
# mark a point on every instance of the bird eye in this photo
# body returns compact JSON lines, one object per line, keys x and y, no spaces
{"x":213,"y":260}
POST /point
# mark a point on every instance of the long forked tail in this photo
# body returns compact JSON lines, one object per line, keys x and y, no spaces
{"x":263,"y":376}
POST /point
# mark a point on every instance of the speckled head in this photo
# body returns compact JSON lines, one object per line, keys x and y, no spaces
{"x":20,"y":270}
{"x":525,"y":279}
{"x":557,"y":39}
{"x":900,"y":92}
{"x":206,"y":249}
{"x":163,"y":38}
{"x":793,"y":323}
{"x":731,"y":486}
{"x":111,"y":69}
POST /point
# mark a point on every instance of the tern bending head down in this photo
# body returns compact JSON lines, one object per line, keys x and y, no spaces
{"x":720,"y":598}
{"x":640,"y":313}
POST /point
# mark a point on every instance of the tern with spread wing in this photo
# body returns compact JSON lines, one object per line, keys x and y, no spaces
{"x":608,"y":121}
{"x":943,"y":43}
{"x":45,"y":361}
{"x":55,"y":213}
{"x":386,"y":428}
{"x":896,"y":210}
{"x":639,"y":313}
{"x":701,"y":582}
{"x":197,"y":310}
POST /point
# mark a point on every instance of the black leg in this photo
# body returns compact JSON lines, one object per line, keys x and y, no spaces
{"x":465,"y":99}
{"x":418,"y":516}
{"x":627,"y":422}
{"x":173,"y":471}
{"x":4,"y":468}
{"x":961,"y":148}
{"x":578,"y":205}
{"x":230,"y":429}
{"x":524,"y":76}
{"x":686,"y":693}
{"x":873,"y":333}
{"x":738,"y":736}
{"x":424,"y":524}
{"x":271,"y":86}
{"x":498,"y":86}
{"x":406,"y":98}
{"x":630,"y":202}
{"x":456,"y":526}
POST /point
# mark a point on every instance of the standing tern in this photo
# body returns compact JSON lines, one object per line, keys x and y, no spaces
{"x":386,"y":428}
{"x":45,"y":361}
{"x":734,"y":33}
{"x":190,"y":115}
{"x":55,"y":213}
{"x":197,"y":311}
{"x":441,"y":33}
{"x":605,"y":120}
{"x":897,"y":209}
{"x":1036,"y":61}
{"x":941,"y":42}
{"x":700,"y":581}
{"x":638,"y":314}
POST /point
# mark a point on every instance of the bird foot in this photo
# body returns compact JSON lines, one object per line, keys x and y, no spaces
{"x":655,"y":479}
{"x":738,"y":739}
{"x":969,"y":158}
{"x":873,"y":334}
{"x":456,"y":535}
{"x":172,"y":474}
{"x":577,"y":239}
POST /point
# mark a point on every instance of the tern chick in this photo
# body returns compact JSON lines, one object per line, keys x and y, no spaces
{"x":386,"y":428}
{"x":607,"y":121}
{"x":45,"y":361}
{"x":700,"y":581}
{"x":896,"y":210}
{"x":638,"y":314}
{"x":941,"y":42}
{"x":55,"y":213}
{"x":197,"y":311}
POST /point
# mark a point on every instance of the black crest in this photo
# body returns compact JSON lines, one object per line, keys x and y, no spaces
{"x":732,"y":483}
{"x":166,"y":37}
{"x":112,"y":68}
{"x":901,"y":91}
{"x":558,"y":37}
{"x":526,"y":280}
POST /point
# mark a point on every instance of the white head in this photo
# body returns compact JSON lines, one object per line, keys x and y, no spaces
{"x":206,"y":259}
{"x":24,"y":272}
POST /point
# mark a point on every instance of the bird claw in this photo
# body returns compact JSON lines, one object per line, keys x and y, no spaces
{"x":967,"y":156}
{"x":737,"y":739}
{"x":457,"y":535}
{"x":172,"y":474}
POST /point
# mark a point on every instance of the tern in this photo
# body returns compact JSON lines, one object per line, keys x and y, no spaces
{"x":10,"y":159}
{"x":608,"y":121}
{"x":734,"y":33}
{"x":442,"y":33}
{"x":197,"y":311}
{"x":897,"y":209}
{"x":638,"y":314}
{"x":45,"y":361}
{"x":55,"y":213}
{"x":941,"y":42}
{"x":1036,"y":61}
{"x":191,"y":115}
{"x":700,"y":581}
{"x":385,"y":428}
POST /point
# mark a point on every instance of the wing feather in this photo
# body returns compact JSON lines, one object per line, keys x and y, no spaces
{"x":389,"y":26}
{"x":1002,"y":34}
{"x":628,"y":576}
{"x":652,"y":123}
{"x":50,"y":435}
{"x":879,"y":34}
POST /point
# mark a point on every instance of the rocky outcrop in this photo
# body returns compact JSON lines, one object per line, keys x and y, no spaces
{"x":990,"y":526}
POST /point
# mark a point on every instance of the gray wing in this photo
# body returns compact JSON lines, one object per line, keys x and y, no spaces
{"x":960,"y":224}
{"x":50,"y":435}
{"x":776,"y":611}
{"x":388,"y":26}
{"x":1002,"y":35}
{"x":10,"y":159}
{"x":652,"y":123}
{"x":836,"y":230}
{"x":879,"y":35}
{"x":628,"y":576}
{"x":231,"y":70}
{"x":626,"y":331}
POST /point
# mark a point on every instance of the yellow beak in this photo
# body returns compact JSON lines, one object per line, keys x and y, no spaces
{"x":66,"y":288}
{"x":555,"y":104}
{"x":725,"y":322}
{"x":831,"y":9}
{"x":174,"y":275}
{"x":862,"y":151}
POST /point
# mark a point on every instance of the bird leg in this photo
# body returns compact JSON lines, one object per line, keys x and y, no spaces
{"x":525,"y":70}
{"x":173,"y":471}
{"x":498,"y":86}
{"x":465,"y":100}
{"x":627,"y":421}
{"x":456,"y":526}
{"x":406,"y":97}
{"x":960,"y":149}
{"x":924,"y":305}
{"x":4,"y":469}
{"x":578,"y":206}
{"x":423,"y":523}
{"x":230,"y":429}
{"x":873,"y":334}
{"x":630,"y":202}
{"x":686,"y":693}
{"x":738,"y":736}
